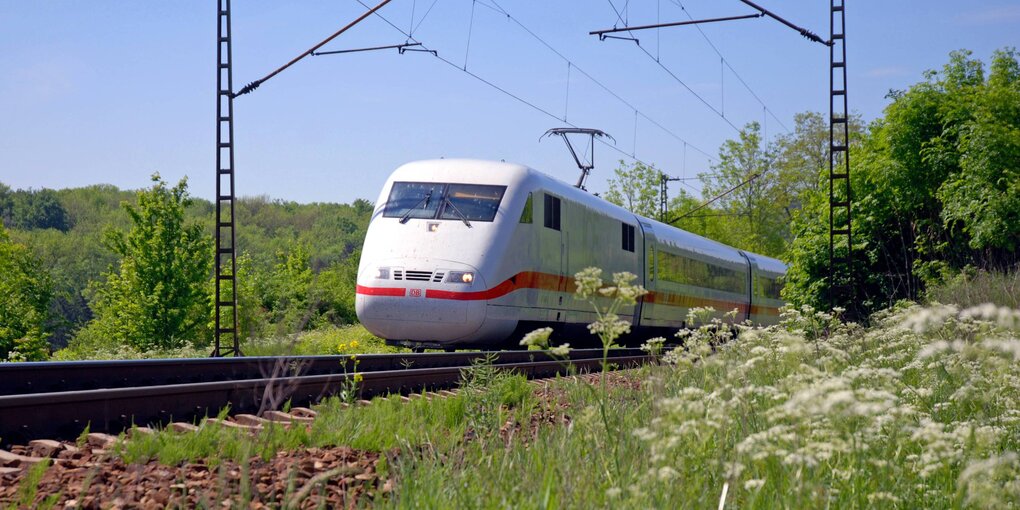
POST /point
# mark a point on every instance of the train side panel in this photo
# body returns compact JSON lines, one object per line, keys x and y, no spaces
{"x":559,"y":237}
{"x":687,"y":271}
{"x":767,"y":282}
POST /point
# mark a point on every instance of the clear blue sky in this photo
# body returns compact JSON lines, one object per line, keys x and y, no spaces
{"x":112,"y":91}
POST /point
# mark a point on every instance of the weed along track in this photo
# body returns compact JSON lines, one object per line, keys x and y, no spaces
{"x":146,"y":468}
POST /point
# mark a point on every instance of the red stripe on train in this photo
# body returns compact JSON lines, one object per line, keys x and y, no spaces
{"x":557,"y":283}
{"x":381,"y":291}
{"x":520,"y":281}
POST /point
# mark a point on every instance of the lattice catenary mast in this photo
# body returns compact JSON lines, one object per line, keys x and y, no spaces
{"x":226,"y":256}
{"x":840,"y":266}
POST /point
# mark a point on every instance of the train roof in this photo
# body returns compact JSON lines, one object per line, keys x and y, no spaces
{"x":478,"y":171}
{"x":498,"y":172}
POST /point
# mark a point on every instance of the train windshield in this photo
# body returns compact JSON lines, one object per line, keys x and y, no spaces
{"x":430,"y":200}
{"x":414,"y":200}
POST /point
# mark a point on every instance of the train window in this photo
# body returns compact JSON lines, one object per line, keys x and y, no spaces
{"x":679,"y":269}
{"x":474,"y":202}
{"x":730,"y":280}
{"x":414,"y":200}
{"x":526,"y":214}
{"x":651,"y":263}
{"x":768,"y":287}
{"x":628,"y":237}
{"x":687,"y":271}
{"x":431,"y":200}
{"x":552,"y":212}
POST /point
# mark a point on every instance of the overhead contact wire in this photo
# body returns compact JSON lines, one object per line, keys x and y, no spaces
{"x":422,"y":20}
{"x":532,"y":105}
{"x":730,"y":66}
{"x":566,"y":101}
{"x":471,"y":26}
{"x":499,"y":9}
{"x":673,"y":75}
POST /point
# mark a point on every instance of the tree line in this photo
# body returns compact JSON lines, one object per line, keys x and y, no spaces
{"x":935,"y":186}
{"x":98,"y":268}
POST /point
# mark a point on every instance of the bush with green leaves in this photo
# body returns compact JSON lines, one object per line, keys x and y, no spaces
{"x":936,"y":187}
{"x":155,"y":297}
{"x":25,"y":293}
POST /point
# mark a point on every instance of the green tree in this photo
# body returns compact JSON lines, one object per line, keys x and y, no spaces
{"x":286,"y":291}
{"x":25,"y":293}
{"x":156,"y":297}
{"x":253,"y":319}
{"x":636,"y":188}
{"x":747,"y":185}
{"x":934,"y":187}
{"x":6,"y":205}
{"x":37,"y":210}
{"x":803,"y":154}
{"x":982,"y":199}
{"x":333,"y":292}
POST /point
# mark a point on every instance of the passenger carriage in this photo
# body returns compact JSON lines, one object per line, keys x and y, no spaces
{"x":473,"y":254}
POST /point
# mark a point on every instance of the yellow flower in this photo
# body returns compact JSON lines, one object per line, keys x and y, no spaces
{"x":354,"y":344}
{"x":358,"y":377}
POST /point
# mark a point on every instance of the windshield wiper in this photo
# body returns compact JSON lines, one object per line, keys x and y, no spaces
{"x":463,"y":218}
{"x":425,"y":200}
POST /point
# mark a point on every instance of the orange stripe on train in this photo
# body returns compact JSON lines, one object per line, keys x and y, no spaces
{"x":558,"y":283}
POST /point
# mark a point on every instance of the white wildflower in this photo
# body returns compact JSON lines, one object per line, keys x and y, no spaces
{"x":923,"y":319}
{"x":644,"y":434}
{"x":609,"y":326}
{"x":537,"y":339}
{"x":560,"y":350}
{"x":653,"y":346}
{"x":588,"y":281}
{"x":877,"y":498}
{"x":754,"y":484}
{"x":1002,"y":316}
{"x":993,"y":482}
{"x":667,"y":473}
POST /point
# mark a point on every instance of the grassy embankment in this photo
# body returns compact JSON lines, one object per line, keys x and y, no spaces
{"x":919,"y":410}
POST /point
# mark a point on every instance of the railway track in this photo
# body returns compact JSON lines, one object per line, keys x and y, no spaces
{"x":58,"y":400}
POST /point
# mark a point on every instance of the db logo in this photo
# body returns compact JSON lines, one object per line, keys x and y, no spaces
{"x":414,"y":292}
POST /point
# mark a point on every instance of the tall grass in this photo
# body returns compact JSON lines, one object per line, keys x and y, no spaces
{"x":388,"y":423}
{"x":975,"y":287}
{"x":351,"y":339}
{"x":920,"y":411}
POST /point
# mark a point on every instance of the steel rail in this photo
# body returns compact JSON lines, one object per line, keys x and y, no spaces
{"x":48,"y":376}
{"x":63,"y":415}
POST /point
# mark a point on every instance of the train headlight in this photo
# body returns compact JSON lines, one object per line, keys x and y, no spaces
{"x":382,"y":273}
{"x":460,"y":277}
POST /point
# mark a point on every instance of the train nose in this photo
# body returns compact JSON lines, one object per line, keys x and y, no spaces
{"x":410,"y":303}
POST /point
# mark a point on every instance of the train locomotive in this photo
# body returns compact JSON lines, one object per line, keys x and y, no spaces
{"x":474,"y":254}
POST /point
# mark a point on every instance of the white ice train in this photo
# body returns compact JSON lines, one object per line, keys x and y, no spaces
{"x":474,"y":254}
